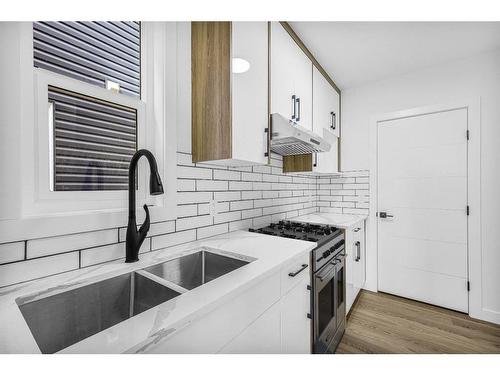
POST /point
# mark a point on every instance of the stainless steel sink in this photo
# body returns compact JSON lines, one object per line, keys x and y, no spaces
{"x":193,"y":270}
{"x":63,"y":319}
{"x":60,"y":320}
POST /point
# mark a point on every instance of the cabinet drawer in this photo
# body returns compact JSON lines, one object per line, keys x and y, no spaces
{"x":293,"y":272}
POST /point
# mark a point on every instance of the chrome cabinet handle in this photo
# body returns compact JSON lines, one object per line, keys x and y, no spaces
{"x":357,"y":230}
{"x":358,"y":251}
{"x":294,"y":113}
{"x":293,"y":274}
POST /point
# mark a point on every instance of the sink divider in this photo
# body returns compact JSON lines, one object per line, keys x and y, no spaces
{"x":162,"y":281}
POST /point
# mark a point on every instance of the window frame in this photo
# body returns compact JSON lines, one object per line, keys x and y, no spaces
{"x":28,"y":214}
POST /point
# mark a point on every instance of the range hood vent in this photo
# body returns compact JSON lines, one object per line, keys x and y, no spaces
{"x":288,"y":138}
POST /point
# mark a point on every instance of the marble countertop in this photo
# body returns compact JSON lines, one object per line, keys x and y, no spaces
{"x":137,"y":334}
{"x":343,"y":221}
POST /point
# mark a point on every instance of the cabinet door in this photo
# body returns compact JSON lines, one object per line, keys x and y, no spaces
{"x":325,"y":124}
{"x":350,"y":253}
{"x":282,"y":74}
{"x":250,"y":91}
{"x":263,"y":336}
{"x":295,"y":325}
{"x":302,"y":83}
{"x":359,"y":238}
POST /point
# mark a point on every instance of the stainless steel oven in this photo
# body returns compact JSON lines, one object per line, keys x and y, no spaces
{"x":329,"y":303}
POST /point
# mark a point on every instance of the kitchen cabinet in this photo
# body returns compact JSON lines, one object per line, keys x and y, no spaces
{"x":295,"y":324}
{"x":355,"y":261}
{"x":326,"y":105}
{"x":291,"y":78}
{"x":261,"y":337}
{"x":229,"y":101}
{"x":269,"y":317}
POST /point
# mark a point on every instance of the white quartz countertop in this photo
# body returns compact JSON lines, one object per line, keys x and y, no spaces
{"x":343,"y":221}
{"x":137,"y":334}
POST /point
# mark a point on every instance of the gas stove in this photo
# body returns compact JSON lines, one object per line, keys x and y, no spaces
{"x":300,"y":231}
{"x":328,"y":278}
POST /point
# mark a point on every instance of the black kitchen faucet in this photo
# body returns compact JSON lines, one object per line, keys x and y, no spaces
{"x":135,"y":237}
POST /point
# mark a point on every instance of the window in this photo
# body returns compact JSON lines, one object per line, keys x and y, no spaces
{"x":92,"y":135}
{"x":93,"y":141}
{"x":107,"y":54}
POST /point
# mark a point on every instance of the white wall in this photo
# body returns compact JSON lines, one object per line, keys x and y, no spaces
{"x":471,"y":78}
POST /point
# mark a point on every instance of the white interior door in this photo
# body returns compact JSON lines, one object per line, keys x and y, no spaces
{"x":422,"y":182}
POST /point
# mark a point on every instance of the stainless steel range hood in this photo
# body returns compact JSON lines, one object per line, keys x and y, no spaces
{"x":288,"y":138}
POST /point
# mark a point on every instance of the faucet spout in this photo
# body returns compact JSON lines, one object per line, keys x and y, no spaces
{"x":135,"y":237}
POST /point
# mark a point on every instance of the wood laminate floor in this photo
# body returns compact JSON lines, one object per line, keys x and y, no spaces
{"x":383,"y":323}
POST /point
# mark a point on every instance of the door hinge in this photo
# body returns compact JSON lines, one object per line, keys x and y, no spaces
{"x":309,"y":316}
{"x":308,"y":287}
{"x":468,"y":210}
{"x":468,"y":286}
{"x":468,"y":135}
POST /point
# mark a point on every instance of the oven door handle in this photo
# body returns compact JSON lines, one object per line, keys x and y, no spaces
{"x":326,"y":272}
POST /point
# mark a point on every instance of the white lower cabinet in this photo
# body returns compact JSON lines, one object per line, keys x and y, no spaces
{"x":355,"y":261}
{"x":270,"y":317}
{"x":262,"y":336}
{"x":295,"y":325}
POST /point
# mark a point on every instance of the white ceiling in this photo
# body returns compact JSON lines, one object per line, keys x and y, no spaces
{"x":354,"y":53}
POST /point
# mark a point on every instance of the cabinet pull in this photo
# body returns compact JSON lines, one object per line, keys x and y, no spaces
{"x":357,"y":229}
{"x":298,"y":109}
{"x":358,"y":251}
{"x":293,"y":107}
{"x":333,"y":125}
{"x":293,"y":274}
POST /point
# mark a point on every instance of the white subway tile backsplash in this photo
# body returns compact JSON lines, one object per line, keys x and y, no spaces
{"x":108,"y":253}
{"x":18,"y":272}
{"x":208,"y":185}
{"x":240,"y":185}
{"x":187,"y":210}
{"x":240,"y":225}
{"x":11,"y":252}
{"x":173,"y":239}
{"x":227,"y":196}
{"x":60,"y":244}
{"x":227,"y":216}
{"x":241,"y":205}
{"x":210,"y":200}
{"x":212,"y":231}
{"x":194,"y":172}
{"x":186,"y":185}
{"x":194,"y":197}
{"x":227,"y":175}
{"x":193,"y":222}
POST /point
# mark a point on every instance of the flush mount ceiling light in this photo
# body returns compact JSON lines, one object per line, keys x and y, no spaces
{"x":240,"y":65}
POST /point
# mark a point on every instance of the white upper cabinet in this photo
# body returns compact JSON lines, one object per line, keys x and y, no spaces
{"x":291,"y":78}
{"x":229,"y":92}
{"x":326,"y":104}
{"x":249,"y":91}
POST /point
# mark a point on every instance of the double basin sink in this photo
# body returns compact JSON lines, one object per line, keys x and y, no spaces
{"x":60,"y":320}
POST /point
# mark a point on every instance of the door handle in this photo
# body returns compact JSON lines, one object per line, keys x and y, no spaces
{"x":298,"y":109}
{"x":293,"y":107}
{"x":358,"y":251}
{"x":293,"y":274}
{"x":384,"y":215}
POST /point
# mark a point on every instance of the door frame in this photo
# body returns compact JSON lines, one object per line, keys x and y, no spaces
{"x":474,"y":259}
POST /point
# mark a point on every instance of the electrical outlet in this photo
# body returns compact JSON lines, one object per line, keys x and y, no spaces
{"x":213,"y":207}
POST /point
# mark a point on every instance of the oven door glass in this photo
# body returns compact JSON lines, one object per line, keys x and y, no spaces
{"x":326,"y":305}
